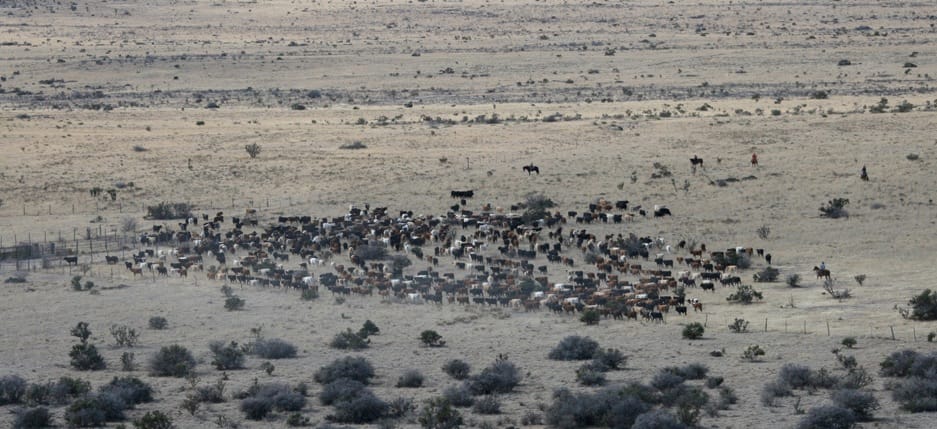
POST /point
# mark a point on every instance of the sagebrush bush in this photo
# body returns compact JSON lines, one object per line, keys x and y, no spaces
{"x":714,"y":382}
{"x":500,"y":377}
{"x":400,"y":407}
{"x":745,"y":294}
{"x":862,"y":404}
{"x":835,"y":208}
{"x":613,"y":359}
{"x":916,"y":394}
{"x":605,"y":408}
{"x":410,"y":378}
{"x":166,"y":211}
{"x":158,"y":322}
{"x":348,"y":340}
{"x":590,"y":317}
{"x":457,"y":369}
{"x":795,"y":376}
{"x":172,"y":361}
{"x":12,"y":389}
{"x":431,"y":338}
{"x":589,"y":375}
{"x":898,"y":364}
{"x":124,"y":336}
{"x":368,"y":329}
{"x":226,"y":356}
{"x":153,"y":420}
{"x":574,"y":347}
{"x":693,"y":371}
{"x":437,"y":413}
{"x":657,"y":419}
{"x":95,"y":410}
{"x":774,"y":390}
{"x":256,"y":408}
{"x":32,"y":418}
{"x":56,"y":393}
{"x":283,"y":396}
{"x":693,"y":331}
{"x":364,"y":407}
{"x":664,"y":380}
{"x":459,"y":396}
{"x":828,"y":417}
{"x":488,"y":404}
{"x":273,"y":348}
{"x":212,"y":393}
{"x":130,"y":390}
{"x":341,"y":389}
{"x":766,"y":275}
{"x":351,"y":367}
{"x":233,"y":303}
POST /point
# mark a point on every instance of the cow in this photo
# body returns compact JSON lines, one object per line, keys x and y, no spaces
{"x":71,"y":260}
{"x":111,"y":260}
{"x":708,"y":285}
{"x":660,"y":211}
{"x":681,"y":309}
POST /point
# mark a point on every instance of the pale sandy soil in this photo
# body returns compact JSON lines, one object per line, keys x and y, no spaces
{"x":55,"y":149}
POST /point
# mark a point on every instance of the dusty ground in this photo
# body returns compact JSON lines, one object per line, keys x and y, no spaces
{"x":83,"y":87}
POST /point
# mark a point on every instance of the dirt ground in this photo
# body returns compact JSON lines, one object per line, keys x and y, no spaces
{"x":460,"y":95}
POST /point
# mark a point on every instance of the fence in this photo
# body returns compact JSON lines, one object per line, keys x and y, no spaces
{"x":97,"y":206}
{"x":827,"y":328}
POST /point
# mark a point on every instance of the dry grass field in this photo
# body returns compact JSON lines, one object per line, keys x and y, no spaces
{"x":458,"y":95}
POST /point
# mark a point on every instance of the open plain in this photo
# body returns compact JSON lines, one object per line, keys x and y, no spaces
{"x":156,"y":101}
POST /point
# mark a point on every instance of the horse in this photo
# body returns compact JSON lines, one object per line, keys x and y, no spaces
{"x":532,"y":169}
{"x":822,"y":273}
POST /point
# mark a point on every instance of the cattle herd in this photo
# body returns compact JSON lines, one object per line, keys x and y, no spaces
{"x":465,"y":258}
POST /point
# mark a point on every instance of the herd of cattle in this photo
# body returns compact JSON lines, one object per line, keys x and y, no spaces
{"x":468,"y":258}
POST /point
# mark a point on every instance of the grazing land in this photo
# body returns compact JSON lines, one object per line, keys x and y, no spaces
{"x":271,"y":110}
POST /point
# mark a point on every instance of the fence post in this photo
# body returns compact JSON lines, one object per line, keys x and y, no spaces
{"x":892,"y":332}
{"x":913,"y":334}
{"x":827,"y":328}
{"x":805,"y":327}
{"x":766,"y":324}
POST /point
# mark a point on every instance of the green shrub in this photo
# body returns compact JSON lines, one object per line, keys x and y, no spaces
{"x":752,"y":353}
{"x":590,"y":317}
{"x":793,"y":280}
{"x":368,"y":329}
{"x":348,"y":340}
{"x":158,"y":322}
{"x":862,"y":404}
{"x":12,"y":389}
{"x":363,"y":408}
{"x":130,"y":390}
{"x":410,"y":378}
{"x":693,"y":331}
{"x":744,"y":294}
{"x":85,"y":357}
{"x":589,"y":375}
{"x":924,"y":306}
{"x":338,"y":390}
{"x":828,"y":417}
{"x":714,"y":382}
{"x":457,"y":369}
{"x":488,"y":404}
{"x":253,"y":149}
{"x":898,"y":364}
{"x":431,"y":338}
{"x":233,"y":303}
{"x":32,"y":418}
{"x":127,"y":362}
{"x":916,"y":394}
{"x":665,"y":380}
{"x":297,"y":419}
{"x":124,"y":335}
{"x":354,"y":368}
{"x":574,"y":347}
{"x":502,"y":376}
{"x":172,"y":361}
{"x":459,"y":396}
{"x":226,"y":356}
{"x":613,"y":359}
{"x":256,"y":408}
{"x":657,"y":419}
{"x":273,"y":348}
{"x":739,"y":326}
{"x":437,"y":413}
{"x":153,"y":420}
{"x":95,"y":410}
{"x":167,"y":211}
{"x":610,"y":407}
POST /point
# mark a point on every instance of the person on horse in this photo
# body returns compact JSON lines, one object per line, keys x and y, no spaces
{"x":822,"y":266}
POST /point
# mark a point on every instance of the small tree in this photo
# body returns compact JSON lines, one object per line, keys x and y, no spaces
{"x":82,"y":332}
{"x":85,"y":357}
{"x":924,"y":306}
{"x":431,"y":338}
{"x":368,"y":329}
{"x":849,"y":342}
{"x":233,"y":303}
{"x":793,"y":280}
{"x":739,"y":326}
{"x":153,"y":420}
{"x":252,"y":149}
{"x":744,"y":294}
{"x":124,"y":335}
{"x":860,"y":278}
{"x":693,"y":331}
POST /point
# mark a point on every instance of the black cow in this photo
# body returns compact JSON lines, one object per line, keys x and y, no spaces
{"x":71,"y":260}
{"x":661,"y":212}
{"x":532,"y":169}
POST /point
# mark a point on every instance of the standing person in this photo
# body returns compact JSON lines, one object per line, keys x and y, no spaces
{"x":864,"y":175}
{"x":754,"y":160}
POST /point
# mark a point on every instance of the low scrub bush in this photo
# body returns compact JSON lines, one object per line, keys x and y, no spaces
{"x":924,"y":306}
{"x":774,"y":390}
{"x":400,"y":407}
{"x":410,"y":378}
{"x":862,"y":404}
{"x":124,"y":336}
{"x":341,"y":389}
{"x":612,"y":359}
{"x":363,"y":408}
{"x":85,"y":357}
{"x":226,"y":357}
{"x":793,"y":280}
{"x":153,"y":420}
{"x":665,"y":380}
{"x":488,"y":404}
{"x":368,"y":329}
{"x":590,"y":317}
{"x":591,"y":375}
{"x":172,"y":361}
{"x":898,"y":364}
{"x":752,"y":352}
{"x":431,"y":338}
{"x":212,"y":393}
{"x":714,"y":382}
{"x":693,"y":371}
{"x":457,"y":369}
{"x":657,"y":419}
{"x":437,"y":413}
{"x":233,"y":303}
{"x":12,"y":389}
{"x":767,"y":275}
{"x":158,"y":323}
{"x":255,"y":408}
{"x":273,"y":348}
{"x":32,"y":418}
{"x":459,"y":396}
{"x":56,"y":393}
{"x":574,"y":347}
{"x":739,"y":326}
{"x":835,"y":208}
{"x":916,"y":394}
{"x":130,"y":390}
{"x":610,"y":407}
{"x":502,"y":376}
{"x":828,"y":417}
{"x":693,"y":331}
{"x":348,"y":340}
{"x":166,"y":211}
{"x":744,"y":294}
{"x":95,"y":410}
{"x":350,"y":367}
